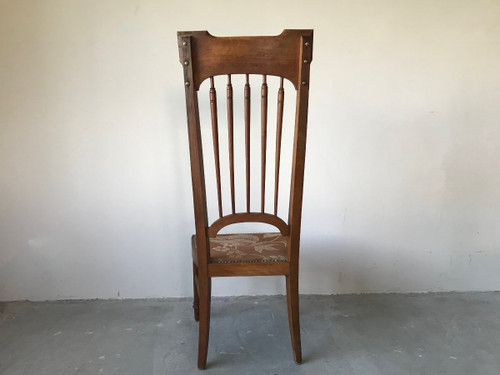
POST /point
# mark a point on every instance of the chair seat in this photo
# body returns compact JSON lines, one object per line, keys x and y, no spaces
{"x":247,"y":248}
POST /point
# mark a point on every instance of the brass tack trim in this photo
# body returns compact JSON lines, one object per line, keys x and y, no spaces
{"x":184,"y":44}
{"x":306,"y":44}
{"x":187,"y":83}
{"x":186,"y":63}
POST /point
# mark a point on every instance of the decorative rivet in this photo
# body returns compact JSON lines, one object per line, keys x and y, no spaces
{"x":184,"y":44}
{"x":305,"y":61}
{"x":187,"y":83}
{"x":304,"y":83}
{"x":186,"y":63}
{"x":306,"y":44}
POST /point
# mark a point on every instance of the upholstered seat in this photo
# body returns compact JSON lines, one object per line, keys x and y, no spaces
{"x":247,"y":248}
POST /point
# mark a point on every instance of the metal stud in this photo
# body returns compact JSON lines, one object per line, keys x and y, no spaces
{"x":187,"y":83}
{"x":304,"y":83}
{"x":186,"y":63}
{"x":305,"y":61}
{"x":184,"y":44}
{"x":306,"y":44}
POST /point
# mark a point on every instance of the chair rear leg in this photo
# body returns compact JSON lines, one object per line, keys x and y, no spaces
{"x":292,"y":296}
{"x":196,"y":299}
{"x":205,"y":291}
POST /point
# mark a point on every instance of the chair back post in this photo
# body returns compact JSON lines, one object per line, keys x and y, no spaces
{"x":299,"y":148}
{"x":195,"y":153}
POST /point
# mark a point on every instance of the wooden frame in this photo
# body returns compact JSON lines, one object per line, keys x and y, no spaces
{"x":204,"y":56}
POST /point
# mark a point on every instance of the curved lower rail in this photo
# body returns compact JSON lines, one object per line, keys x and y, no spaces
{"x":248,"y":217}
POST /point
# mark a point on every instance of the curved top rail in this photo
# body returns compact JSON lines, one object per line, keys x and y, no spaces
{"x":273,"y":55}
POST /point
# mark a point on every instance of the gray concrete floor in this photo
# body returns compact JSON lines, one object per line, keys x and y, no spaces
{"x":384,"y":334}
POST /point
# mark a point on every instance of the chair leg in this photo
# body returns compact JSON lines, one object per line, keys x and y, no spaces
{"x":292,"y":296}
{"x":205,"y":291}
{"x":196,"y":299}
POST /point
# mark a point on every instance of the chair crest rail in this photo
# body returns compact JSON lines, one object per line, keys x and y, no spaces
{"x":273,"y":55}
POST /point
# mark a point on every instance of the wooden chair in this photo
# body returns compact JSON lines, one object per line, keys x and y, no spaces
{"x":287,"y":56}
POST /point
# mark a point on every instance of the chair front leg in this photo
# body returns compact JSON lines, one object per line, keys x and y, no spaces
{"x":292,"y":296}
{"x":196,"y":299}
{"x":205,"y":291}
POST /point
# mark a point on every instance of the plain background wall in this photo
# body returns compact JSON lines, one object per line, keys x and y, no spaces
{"x":402,"y":188}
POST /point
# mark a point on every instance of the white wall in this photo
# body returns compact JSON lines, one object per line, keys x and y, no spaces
{"x":402,"y":179}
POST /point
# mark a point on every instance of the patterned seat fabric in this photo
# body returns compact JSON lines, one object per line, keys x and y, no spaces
{"x":248,"y":248}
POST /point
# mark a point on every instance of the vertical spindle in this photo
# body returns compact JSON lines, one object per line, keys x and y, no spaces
{"x":263,"y":139}
{"x":247,"y":139}
{"x":215,"y":138}
{"x":229,"y":92}
{"x":279,"y":131}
